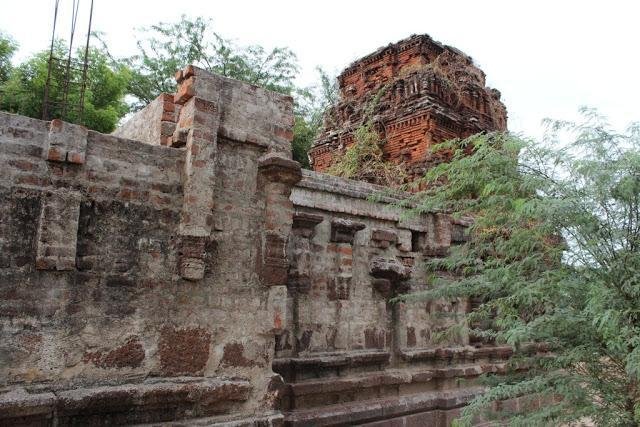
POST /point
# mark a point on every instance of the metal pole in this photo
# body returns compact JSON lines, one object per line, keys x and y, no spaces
{"x":86,"y":65}
{"x":74,"y":18}
{"x":45,"y":101}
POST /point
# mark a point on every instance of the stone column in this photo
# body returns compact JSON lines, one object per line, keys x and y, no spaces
{"x":58,"y":224}
{"x":277,"y":175}
{"x":198,"y":127}
{"x":299,"y":280}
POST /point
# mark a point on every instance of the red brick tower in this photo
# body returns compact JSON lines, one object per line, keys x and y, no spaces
{"x":429,"y":93}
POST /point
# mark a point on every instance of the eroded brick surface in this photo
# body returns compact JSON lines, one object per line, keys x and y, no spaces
{"x":129,"y":355}
{"x":428,"y":93}
{"x":183,"y":351}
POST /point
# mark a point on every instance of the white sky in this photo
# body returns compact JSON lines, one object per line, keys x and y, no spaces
{"x":547,"y":58}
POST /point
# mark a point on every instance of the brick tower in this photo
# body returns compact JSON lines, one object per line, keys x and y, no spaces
{"x":428,"y":93}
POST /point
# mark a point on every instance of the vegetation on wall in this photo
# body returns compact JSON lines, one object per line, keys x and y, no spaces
{"x":554,"y":260}
{"x":364,"y":159}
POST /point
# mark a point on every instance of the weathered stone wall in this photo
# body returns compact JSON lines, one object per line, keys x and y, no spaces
{"x":348,"y":354}
{"x":204,"y":276}
{"x":127,"y":268}
{"x":154,"y":124}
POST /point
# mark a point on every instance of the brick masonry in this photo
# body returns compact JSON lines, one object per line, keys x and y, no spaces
{"x":205,"y":276}
{"x":428,"y":93}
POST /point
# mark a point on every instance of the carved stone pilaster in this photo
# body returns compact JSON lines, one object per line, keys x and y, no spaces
{"x":438,"y":235}
{"x":277,"y":175}
{"x":58,"y":231}
{"x":201,"y":148}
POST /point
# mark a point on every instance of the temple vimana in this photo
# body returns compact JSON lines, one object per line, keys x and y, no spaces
{"x":416,"y":92}
{"x":185,"y":270}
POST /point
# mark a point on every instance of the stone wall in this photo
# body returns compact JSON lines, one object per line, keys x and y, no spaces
{"x":126,"y":267}
{"x":154,"y":124}
{"x":203,"y":276}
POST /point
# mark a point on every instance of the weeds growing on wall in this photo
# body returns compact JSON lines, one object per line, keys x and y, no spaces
{"x":364,"y":159}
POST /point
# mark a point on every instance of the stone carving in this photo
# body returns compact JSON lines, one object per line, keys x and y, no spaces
{"x":430,"y":93}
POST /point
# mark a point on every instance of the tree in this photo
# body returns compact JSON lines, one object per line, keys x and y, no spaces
{"x":554,"y":260}
{"x":311,"y":106}
{"x":8,"y":47}
{"x":23,"y":91}
{"x":168,"y":47}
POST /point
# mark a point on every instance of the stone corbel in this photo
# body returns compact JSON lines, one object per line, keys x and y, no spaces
{"x":389,"y":276}
{"x":306,"y":223}
{"x":344,"y":231}
{"x":276,"y":168}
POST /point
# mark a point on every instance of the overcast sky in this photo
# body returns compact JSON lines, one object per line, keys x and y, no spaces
{"x":547,"y":58}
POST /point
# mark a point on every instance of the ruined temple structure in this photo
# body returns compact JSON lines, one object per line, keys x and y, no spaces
{"x":186,"y":269}
{"x":416,"y":92}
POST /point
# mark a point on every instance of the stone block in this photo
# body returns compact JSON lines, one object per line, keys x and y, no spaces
{"x":192,"y":255}
{"x":66,"y":142}
{"x":388,"y":268}
{"x":277,"y":303}
{"x":404,"y":241}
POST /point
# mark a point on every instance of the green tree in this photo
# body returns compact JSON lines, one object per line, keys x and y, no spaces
{"x":312,"y":106}
{"x":8,"y":47}
{"x":167,"y":47}
{"x":554,"y":260}
{"x":23,"y":91}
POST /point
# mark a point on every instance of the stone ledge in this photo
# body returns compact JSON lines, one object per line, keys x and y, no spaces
{"x":390,"y":378}
{"x":348,"y":187}
{"x":381,"y":409}
{"x":352,"y":359}
{"x":127,"y":403}
{"x":456,"y":353}
{"x":275,"y":419}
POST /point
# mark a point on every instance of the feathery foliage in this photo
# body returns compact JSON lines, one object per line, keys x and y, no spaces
{"x":169,"y":46}
{"x":8,"y":47}
{"x":554,"y":260}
